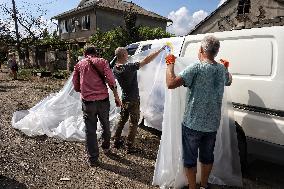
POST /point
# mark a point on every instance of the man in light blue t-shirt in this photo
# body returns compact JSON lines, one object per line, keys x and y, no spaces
{"x":205,"y":81}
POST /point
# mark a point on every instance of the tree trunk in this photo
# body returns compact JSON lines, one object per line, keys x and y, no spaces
{"x":15,"y":18}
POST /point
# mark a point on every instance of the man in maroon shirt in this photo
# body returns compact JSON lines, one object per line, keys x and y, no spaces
{"x":90,"y":77}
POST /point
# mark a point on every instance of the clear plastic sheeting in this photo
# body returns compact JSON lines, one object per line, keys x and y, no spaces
{"x":169,"y":170}
{"x":58,"y":115}
{"x":152,"y":82}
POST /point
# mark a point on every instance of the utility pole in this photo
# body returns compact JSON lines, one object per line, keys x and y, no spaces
{"x":15,"y":18}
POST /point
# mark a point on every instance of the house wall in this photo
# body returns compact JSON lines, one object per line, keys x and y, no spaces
{"x":227,"y":19}
{"x":104,"y":20}
{"x":280,"y":9}
{"x":153,"y":23}
{"x":107,"y":20}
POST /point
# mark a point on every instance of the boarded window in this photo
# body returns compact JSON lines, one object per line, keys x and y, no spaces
{"x":86,"y":22}
{"x":243,"y":7}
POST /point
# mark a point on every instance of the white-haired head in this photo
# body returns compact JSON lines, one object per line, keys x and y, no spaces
{"x":120,"y":52}
{"x":210,"y":45}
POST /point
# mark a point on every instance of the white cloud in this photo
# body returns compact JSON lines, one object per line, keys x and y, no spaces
{"x":183,"y":21}
{"x":221,"y":2}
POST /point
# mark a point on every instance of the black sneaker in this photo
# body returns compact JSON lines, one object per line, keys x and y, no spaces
{"x":118,"y":144}
{"x":95,"y":163}
{"x":132,"y":150}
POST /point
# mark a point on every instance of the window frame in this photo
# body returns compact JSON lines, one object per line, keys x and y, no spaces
{"x":86,"y":22}
{"x":244,"y":7}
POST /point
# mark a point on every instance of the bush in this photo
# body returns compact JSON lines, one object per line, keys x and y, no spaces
{"x":61,"y":74}
{"x":25,"y":74}
{"x":147,"y":33}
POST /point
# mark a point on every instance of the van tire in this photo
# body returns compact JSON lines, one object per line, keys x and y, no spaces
{"x":242,"y":144}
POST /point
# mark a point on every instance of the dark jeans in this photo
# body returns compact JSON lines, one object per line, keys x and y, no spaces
{"x":132,"y":110}
{"x":192,"y":141}
{"x":92,"y":110}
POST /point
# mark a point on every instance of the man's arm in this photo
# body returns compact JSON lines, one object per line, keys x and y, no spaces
{"x":111,"y":83}
{"x":150,"y":57}
{"x":229,"y":79}
{"x":76,"y":79}
{"x":109,"y":75}
{"x":171,"y":79}
{"x":116,"y":97}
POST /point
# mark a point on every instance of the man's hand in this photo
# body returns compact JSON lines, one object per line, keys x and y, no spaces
{"x":117,"y":102}
{"x":226,"y":63}
{"x":170,"y":59}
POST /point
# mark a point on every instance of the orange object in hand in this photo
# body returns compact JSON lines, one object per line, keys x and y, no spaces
{"x":170,"y":59}
{"x":225,"y":62}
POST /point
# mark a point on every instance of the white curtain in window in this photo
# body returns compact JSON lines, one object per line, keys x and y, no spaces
{"x":63,"y":26}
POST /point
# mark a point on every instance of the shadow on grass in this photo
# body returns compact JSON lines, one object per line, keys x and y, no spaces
{"x":5,"y":87}
{"x":143,"y":174}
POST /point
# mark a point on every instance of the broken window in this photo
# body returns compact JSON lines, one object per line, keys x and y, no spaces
{"x":71,"y":25}
{"x":86,"y":22}
{"x":63,"y":26}
{"x":243,"y":7}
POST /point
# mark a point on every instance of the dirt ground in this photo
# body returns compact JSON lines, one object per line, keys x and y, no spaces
{"x":42,"y":162}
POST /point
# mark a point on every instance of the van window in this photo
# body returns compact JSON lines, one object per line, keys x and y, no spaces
{"x":146,"y":47}
{"x":250,"y":56}
{"x":131,"y":49}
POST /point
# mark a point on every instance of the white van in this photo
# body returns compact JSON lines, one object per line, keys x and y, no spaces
{"x":257,"y":64}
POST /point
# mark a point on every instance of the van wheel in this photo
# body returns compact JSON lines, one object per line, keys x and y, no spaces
{"x":242,"y":146}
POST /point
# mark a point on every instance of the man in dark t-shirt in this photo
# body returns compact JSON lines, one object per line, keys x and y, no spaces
{"x":126,"y":75}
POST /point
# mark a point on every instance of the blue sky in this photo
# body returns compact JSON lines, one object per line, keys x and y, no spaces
{"x":185,"y":13}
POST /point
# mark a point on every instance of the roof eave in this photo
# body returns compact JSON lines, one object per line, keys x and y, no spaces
{"x":119,"y":10}
{"x":72,"y":12}
{"x":79,"y":9}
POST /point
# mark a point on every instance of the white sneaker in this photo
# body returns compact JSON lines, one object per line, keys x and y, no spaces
{"x":201,"y":187}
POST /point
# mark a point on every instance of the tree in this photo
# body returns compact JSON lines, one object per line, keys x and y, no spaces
{"x":130,"y":18}
{"x":5,"y":40}
{"x":28,"y":25}
{"x":109,"y":41}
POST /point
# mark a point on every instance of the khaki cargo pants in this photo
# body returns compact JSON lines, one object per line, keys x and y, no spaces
{"x":132,"y":110}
